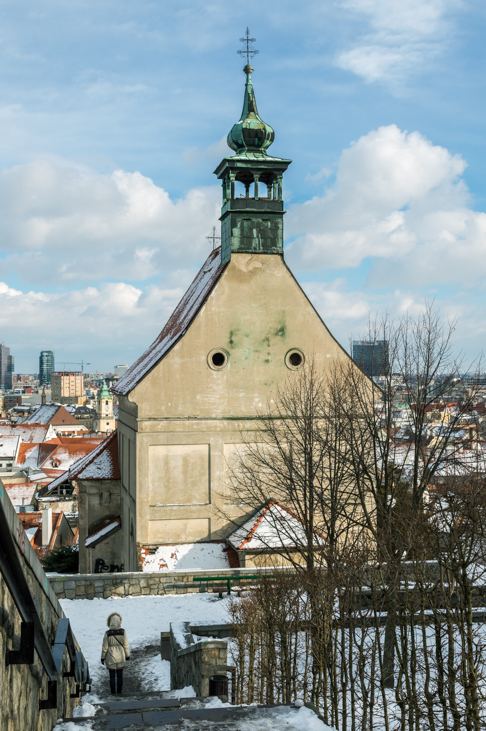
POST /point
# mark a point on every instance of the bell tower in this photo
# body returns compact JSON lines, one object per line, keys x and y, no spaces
{"x":252,"y":211}
{"x":105,"y":418}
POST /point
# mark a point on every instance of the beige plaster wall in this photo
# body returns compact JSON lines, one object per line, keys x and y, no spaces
{"x":184,"y":417}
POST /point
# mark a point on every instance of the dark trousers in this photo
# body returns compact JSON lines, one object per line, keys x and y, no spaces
{"x":116,"y":681}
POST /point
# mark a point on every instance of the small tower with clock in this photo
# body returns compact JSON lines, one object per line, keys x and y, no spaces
{"x":105,"y":418}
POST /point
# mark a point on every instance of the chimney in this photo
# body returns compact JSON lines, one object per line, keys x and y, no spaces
{"x":46,"y":526}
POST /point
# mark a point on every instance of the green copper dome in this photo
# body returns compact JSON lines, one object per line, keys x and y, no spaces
{"x":104,"y":393}
{"x":250,"y":134}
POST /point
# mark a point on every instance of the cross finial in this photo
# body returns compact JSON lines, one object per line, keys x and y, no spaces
{"x":249,"y":51}
{"x":213,"y":238}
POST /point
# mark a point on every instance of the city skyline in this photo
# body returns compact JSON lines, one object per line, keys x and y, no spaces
{"x":114,"y":118}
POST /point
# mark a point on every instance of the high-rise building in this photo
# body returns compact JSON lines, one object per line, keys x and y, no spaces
{"x":120,"y":370}
{"x":371,"y":356}
{"x":6,"y":368}
{"x":67,"y":387}
{"x":46,"y":367}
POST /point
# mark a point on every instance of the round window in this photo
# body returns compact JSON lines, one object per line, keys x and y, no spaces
{"x":217,"y":359}
{"x":294,"y":359}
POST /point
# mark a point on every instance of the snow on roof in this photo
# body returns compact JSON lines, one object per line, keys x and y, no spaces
{"x":33,"y":522}
{"x":100,"y":464}
{"x":24,"y":491}
{"x":185,"y":556}
{"x":28,"y":455}
{"x":272,"y":526}
{"x":176,"y":326}
{"x":100,"y":535}
{"x":34,"y":475}
{"x":42,"y":415}
{"x":51,"y":474}
{"x":63,"y":456}
{"x":51,"y":414}
{"x":9,"y":446}
{"x":32,"y":433}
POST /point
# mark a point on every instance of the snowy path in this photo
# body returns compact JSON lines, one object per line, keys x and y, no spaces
{"x":144,"y":618}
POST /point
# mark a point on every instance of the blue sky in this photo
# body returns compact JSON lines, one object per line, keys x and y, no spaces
{"x":114,"y":115}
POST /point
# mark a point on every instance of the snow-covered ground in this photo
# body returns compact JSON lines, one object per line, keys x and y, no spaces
{"x":277,"y":719}
{"x":144,"y":618}
{"x":186,"y":556}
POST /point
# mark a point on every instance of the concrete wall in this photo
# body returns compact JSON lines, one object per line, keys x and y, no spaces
{"x":193,"y":662}
{"x":89,"y":586}
{"x":182,"y":423}
{"x":100,"y":501}
{"x":23,"y":686}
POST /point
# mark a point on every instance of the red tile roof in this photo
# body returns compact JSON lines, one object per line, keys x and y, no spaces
{"x":101,"y":464}
{"x":32,"y":433}
{"x":272,"y":526}
{"x":34,"y":520}
{"x":79,"y":440}
{"x":176,"y":326}
{"x":52,"y":414}
{"x":21,"y":491}
{"x":63,"y":456}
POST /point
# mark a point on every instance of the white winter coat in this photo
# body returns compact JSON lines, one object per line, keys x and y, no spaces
{"x":115,"y":650}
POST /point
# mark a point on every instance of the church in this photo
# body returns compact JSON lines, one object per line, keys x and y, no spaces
{"x":242,"y":327}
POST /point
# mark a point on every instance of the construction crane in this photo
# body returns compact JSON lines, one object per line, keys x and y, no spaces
{"x":81,"y":363}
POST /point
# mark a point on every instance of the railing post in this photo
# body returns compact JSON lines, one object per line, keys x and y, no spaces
{"x":51,"y":701}
{"x":25,"y":655}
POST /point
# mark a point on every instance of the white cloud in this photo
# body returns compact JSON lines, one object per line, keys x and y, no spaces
{"x":111,"y":322}
{"x":402,"y":37}
{"x":402,"y":200}
{"x":348,"y":312}
{"x":64,"y":224}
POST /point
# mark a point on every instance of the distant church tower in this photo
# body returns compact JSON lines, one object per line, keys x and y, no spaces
{"x":105,"y":418}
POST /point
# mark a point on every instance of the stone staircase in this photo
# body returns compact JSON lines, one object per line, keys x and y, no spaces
{"x":156,"y":711}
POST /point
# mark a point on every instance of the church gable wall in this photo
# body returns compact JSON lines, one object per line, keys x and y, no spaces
{"x":188,"y":419}
{"x":256,"y":314}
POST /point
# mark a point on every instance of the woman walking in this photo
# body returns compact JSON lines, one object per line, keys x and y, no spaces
{"x":115,"y":651}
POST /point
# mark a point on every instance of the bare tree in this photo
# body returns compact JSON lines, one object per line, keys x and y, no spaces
{"x":295,"y":458}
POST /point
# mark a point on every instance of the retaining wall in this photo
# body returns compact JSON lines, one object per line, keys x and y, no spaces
{"x":89,"y":586}
{"x":194,"y":662}
{"x":22,"y":686}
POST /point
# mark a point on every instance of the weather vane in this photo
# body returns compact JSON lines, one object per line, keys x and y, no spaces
{"x":213,"y":238}
{"x":249,"y":51}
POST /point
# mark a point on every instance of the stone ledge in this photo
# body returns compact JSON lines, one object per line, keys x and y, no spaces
{"x":137,"y":583}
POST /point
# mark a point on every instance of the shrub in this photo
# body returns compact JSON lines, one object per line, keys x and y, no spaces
{"x":63,"y":560}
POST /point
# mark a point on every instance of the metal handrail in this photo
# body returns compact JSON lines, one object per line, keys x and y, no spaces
{"x":33,"y":635}
{"x":232,"y":578}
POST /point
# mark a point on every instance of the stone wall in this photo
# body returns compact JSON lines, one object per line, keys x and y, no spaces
{"x":193,"y":661}
{"x":89,"y":586}
{"x":23,"y":686}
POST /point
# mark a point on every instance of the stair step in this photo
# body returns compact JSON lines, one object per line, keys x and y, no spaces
{"x":121,"y":706}
{"x":224,"y":718}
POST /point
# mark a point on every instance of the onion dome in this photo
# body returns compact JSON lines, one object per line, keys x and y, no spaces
{"x":251,"y":134}
{"x":103,"y":393}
